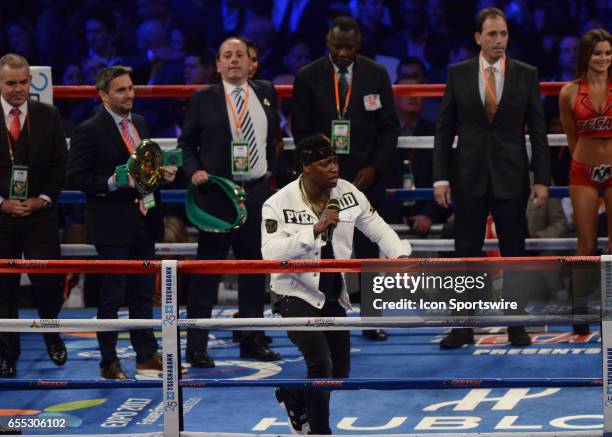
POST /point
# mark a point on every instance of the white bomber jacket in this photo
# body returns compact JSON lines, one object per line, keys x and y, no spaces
{"x":287,"y":234}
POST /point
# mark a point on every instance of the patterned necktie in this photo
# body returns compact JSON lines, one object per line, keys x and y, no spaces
{"x":342,"y":86}
{"x":247,"y":129}
{"x":15,"y":128}
{"x":127,"y":135}
{"x":131,"y":143}
{"x":490,"y":105}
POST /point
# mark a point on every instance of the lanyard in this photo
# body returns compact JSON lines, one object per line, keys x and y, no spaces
{"x":10,"y":142}
{"x":238,"y":118}
{"x":126,"y":141}
{"x":488,"y":88}
{"x":346,"y":99}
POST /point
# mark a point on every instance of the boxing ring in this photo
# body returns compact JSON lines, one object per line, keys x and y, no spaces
{"x":170,"y":322}
{"x":479,"y":389}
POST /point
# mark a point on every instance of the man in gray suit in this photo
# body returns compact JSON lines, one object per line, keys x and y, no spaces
{"x":487,"y":101}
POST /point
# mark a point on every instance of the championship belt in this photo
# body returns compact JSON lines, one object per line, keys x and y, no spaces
{"x":145,"y":166}
{"x":205,"y":221}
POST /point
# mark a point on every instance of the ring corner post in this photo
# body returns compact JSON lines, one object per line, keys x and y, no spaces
{"x":606,"y":340}
{"x":172,"y":394}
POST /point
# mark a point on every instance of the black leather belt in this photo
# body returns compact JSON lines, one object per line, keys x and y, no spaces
{"x":251,"y":183}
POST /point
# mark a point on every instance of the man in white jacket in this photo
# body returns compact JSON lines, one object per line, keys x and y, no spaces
{"x":314,"y":218}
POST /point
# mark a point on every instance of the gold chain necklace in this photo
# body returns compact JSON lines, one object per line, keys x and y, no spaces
{"x":307,"y":200}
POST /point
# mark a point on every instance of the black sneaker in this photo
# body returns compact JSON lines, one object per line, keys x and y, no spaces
{"x":296,"y":410}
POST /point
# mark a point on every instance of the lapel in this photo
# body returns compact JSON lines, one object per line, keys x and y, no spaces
{"x":263,"y":100}
{"x":5,"y":133}
{"x":29,"y":134}
{"x":511,"y":84}
{"x":356,"y":83}
{"x":474,"y":73}
{"x":218,"y":97}
{"x":140,"y":128}
{"x":108,"y":125}
{"x":328,"y":78}
{"x":220,"y":102}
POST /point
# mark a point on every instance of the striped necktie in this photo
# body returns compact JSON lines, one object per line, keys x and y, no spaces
{"x":247,"y":129}
{"x":127,"y":135}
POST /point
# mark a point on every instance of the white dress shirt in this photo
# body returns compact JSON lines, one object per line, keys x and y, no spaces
{"x":349,"y":70}
{"x":499,"y":78}
{"x":260,"y":125}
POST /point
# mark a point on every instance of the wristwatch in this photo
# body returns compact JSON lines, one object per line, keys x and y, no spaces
{"x":46,"y":204}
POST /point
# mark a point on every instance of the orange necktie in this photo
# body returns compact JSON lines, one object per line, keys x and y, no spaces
{"x":490,"y":105}
{"x":15,"y":128}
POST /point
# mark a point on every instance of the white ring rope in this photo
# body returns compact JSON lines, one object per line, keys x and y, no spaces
{"x":76,"y":325}
{"x":286,"y":324}
{"x":422,"y":142}
{"x":418,"y":245}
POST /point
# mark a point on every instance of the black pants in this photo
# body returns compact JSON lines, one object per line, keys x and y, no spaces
{"x":326,"y":353}
{"x":510,"y":220}
{"x":246,"y":244}
{"x":139,"y":292}
{"x":37,"y":237}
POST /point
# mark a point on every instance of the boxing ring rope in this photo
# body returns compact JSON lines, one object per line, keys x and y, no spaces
{"x":178,"y":196}
{"x":283,"y":91}
{"x":310,"y":384}
{"x":418,"y":245}
{"x":170,"y":323}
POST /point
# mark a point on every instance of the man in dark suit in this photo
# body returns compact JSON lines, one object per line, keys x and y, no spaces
{"x":119,"y":221}
{"x":488,"y":100}
{"x":234,"y":115}
{"x":363,"y":105}
{"x":32,"y":162}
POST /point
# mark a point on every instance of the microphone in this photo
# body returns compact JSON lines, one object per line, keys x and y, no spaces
{"x":329,"y":233}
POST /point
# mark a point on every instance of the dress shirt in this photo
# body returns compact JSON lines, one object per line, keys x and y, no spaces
{"x":260,"y":124}
{"x":349,"y":70}
{"x":499,"y":78}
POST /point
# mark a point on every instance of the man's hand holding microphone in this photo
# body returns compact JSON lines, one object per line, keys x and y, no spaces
{"x":328,"y":221}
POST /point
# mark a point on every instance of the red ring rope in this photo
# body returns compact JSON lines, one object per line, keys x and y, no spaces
{"x":274,"y":266}
{"x":284,"y":91}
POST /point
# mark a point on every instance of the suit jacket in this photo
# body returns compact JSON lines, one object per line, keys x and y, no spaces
{"x":42,"y":147}
{"x":206,"y":137}
{"x":111,"y":218}
{"x":373,"y":133}
{"x":491,"y":153}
